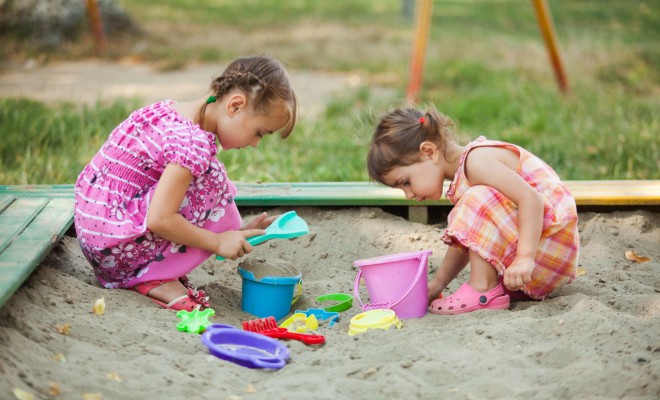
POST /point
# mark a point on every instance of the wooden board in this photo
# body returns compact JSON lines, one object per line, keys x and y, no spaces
{"x":586,"y":193}
{"x":35,"y":226}
{"x":16,"y":217}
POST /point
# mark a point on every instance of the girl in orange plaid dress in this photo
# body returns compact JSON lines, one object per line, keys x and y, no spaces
{"x":513,"y":220}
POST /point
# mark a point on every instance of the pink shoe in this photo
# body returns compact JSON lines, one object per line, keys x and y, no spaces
{"x":467,"y":299}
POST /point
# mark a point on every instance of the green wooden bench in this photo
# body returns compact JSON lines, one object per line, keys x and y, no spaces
{"x":34,"y":218}
{"x":611,"y":193}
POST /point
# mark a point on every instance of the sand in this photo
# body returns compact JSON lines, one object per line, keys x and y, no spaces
{"x":597,"y":338}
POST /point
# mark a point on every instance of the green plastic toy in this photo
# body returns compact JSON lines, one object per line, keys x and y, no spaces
{"x":342,"y":301}
{"x":287,"y":226}
{"x":194,"y":321}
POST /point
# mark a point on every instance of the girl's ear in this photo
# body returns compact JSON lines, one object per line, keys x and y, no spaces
{"x":429,"y":150}
{"x":236,"y":103}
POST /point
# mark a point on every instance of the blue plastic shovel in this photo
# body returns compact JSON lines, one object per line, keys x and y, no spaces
{"x":287,"y":226}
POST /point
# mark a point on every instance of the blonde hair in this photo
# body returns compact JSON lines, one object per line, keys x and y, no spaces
{"x":398,"y":136}
{"x":265,"y":83}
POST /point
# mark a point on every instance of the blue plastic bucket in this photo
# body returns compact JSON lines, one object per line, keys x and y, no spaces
{"x":267,"y":296}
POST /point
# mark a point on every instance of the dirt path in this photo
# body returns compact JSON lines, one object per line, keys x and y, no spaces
{"x":89,"y":81}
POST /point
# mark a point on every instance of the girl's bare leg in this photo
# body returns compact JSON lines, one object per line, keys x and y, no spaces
{"x":483,"y":276}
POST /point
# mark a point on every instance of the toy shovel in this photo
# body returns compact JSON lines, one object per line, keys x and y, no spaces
{"x":268,"y":327}
{"x":287,"y":226}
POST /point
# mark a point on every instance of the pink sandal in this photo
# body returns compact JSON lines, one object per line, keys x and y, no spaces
{"x":467,"y":299}
{"x":193,"y":300}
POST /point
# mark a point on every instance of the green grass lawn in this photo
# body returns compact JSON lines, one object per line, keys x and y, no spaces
{"x":486,"y":67}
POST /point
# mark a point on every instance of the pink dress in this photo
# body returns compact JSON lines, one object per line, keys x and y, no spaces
{"x":113,"y":192}
{"x":486,"y":221}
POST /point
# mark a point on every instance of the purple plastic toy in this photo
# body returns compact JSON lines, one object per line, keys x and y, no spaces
{"x":245,"y":348}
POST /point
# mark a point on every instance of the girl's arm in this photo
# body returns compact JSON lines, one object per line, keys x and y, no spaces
{"x":455,"y":260}
{"x":163,"y":219}
{"x":496,"y":167}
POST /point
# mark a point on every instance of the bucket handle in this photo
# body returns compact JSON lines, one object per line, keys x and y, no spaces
{"x":298,"y":289}
{"x":388,"y":304}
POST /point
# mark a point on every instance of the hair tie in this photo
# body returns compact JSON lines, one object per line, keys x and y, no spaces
{"x":210,"y":100}
{"x":421,"y":120}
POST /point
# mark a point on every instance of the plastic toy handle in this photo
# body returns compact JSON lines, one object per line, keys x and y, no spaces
{"x":253,"y":240}
{"x":420,"y":269}
{"x":275,"y":363}
{"x":299,"y":290}
{"x":356,"y":288}
{"x":256,"y":240}
{"x":368,"y":306}
{"x":285,"y":334}
{"x":213,"y":327}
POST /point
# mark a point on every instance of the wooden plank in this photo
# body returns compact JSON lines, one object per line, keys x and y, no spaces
{"x":613,"y":193}
{"x":323,"y":194}
{"x":586,"y":193}
{"x":16,"y":217}
{"x":50,"y":191}
{"x":5,"y":201}
{"x":20,"y":259}
{"x":633,"y":192}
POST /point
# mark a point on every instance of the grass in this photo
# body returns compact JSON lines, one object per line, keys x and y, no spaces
{"x":486,"y":67}
{"x":44,"y":144}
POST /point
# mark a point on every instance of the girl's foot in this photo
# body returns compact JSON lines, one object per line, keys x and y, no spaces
{"x":176,"y":294}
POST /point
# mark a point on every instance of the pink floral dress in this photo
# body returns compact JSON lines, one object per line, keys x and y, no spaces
{"x":113,"y":192}
{"x":486,"y":221}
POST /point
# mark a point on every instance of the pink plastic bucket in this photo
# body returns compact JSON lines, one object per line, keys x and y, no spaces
{"x":397,"y":281}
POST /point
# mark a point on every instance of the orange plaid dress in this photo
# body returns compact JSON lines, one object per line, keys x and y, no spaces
{"x":485,"y":221}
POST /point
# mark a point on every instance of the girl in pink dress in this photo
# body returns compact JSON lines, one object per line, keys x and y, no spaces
{"x":513,"y":220}
{"x":155,"y":202}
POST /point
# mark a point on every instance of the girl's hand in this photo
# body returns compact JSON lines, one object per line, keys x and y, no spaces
{"x":435,"y":289}
{"x":518,"y":273}
{"x":233,"y":244}
{"x":262,"y":221}
{"x":455,"y":260}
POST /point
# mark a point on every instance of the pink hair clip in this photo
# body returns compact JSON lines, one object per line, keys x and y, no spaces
{"x":421,"y":120}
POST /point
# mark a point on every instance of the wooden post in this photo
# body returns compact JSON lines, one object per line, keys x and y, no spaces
{"x":422,"y":27}
{"x":418,"y":214}
{"x":97,"y":26}
{"x":548,"y":31}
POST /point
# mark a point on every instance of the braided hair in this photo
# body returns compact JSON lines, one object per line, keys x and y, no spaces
{"x":263,"y":80}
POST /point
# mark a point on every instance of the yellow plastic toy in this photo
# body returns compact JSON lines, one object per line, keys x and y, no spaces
{"x":301,"y":323}
{"x":373,"y":319}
